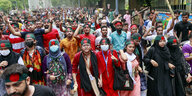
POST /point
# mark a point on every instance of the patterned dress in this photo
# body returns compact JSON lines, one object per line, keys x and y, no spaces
{"x":59,"y":87}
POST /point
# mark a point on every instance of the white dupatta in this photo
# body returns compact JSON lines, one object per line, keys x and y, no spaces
{"x":129,"y":65}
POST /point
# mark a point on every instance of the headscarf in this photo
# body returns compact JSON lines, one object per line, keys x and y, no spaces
{"x":175,"y":51}
{"x":13,"y":57}
{"x":54,"y":60}
{"x":162,"y":51}
{"x":58,"y":52}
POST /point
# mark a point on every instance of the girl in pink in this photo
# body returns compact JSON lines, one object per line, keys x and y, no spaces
{"x":128,"y":59}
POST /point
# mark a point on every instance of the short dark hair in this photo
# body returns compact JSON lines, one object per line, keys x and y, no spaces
{"x":158,"y":22}
{"x":185,"y":13}
{"x":159,"y":27}
{"x":14,"y":69}
{"x":103,"y":27}
{"x":190,"y":35}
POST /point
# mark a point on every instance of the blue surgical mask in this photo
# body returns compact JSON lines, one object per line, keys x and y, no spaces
{"x":54,"y":48}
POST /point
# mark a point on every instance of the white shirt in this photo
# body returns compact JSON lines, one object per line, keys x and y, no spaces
{"x":98,"y":32}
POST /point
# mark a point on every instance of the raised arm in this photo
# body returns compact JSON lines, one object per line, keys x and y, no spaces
{"x":77,"y":32}
{"x":11,"y":28}
{"x":60,"y":26}
{"x":50,"y":26}
{"x":172,"y":25}
{"x":154,"y":19}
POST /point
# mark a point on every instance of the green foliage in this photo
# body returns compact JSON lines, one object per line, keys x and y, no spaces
{"x":5,"y":5}
{"x":20,"y":4}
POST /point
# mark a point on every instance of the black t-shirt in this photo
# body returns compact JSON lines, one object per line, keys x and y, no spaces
{"x":184,"y":28}
{"x":43,"y":91}
{"x":38,"y":36}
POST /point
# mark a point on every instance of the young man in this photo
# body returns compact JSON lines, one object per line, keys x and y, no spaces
{"x":17,"y":83}
{"x":119,"y":37}
{"x":104,"y":31}
{"x":56,"y":26}
{"x":69,"y":44}
{"x":86,"y":30}
{"x":7,"y":58}
{"x":150,"y":37}
{"x":98,"y":31}
{"x":32,"y":29}
{"x":33,"y":56}
{"x":183,"y":28}
{"x":51,"y":35}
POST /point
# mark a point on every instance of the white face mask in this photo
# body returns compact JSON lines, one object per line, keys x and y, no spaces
{"x":5,"y":52}
{"x":104,"y":47}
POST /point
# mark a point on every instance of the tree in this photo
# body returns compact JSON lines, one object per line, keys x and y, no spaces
{"x":5,"y":5}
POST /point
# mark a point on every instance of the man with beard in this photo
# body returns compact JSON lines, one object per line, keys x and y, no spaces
{"x":98,"y":31}
{"x":104,"y":31}
{"x":17,"y":83}
{"x":33,"y":56}
{"x":32,"y":29}
{"x":7,"y":58}
{"x":51,"y":35}
{"x":183,"y":28}
{"x":118,"y":37}
{"x":69,"y":44}
{"x":86,"y":30}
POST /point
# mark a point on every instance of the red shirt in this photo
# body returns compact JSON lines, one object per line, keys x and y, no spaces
{"x":47,"y":37}
{"x":75,"y":69}
{"x":97,"y":26}
{"x":107,"y":73}
{"x":91,"y":37}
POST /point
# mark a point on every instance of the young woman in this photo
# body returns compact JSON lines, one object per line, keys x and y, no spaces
{"x":59,"y":69}
{"x":181,"y":67}
{"x":129,"y":60}
{"x":85,"y":71}
{"x":157,"y":63}
{"x":105,"y":66}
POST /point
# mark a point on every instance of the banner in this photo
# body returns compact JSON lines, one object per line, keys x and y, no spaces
{"x":165,"y":17}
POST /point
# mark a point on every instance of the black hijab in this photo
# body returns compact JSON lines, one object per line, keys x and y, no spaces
{"x":162,"y":51}
{"x":175,"y":51}
{"x":13,"y":57}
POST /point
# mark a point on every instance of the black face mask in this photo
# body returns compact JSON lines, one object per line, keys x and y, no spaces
{"x":29,"y":44}
{"x":46,"y":26}
{"x":119,"y":30}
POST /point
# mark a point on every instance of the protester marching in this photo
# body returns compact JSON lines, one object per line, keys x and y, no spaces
{"x":88,"y":52}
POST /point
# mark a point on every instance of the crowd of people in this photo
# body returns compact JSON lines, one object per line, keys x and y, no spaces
{"x":57,"y":52}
